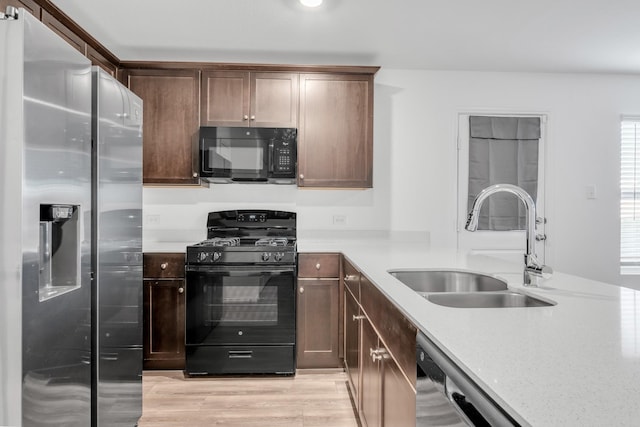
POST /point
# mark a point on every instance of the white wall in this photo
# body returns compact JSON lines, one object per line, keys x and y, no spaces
{"x":415,"y":165}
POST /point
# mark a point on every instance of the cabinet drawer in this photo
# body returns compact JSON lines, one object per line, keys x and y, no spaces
{"x":351,"y":278}
{"x":219,"y":360}
{"x":163,"y":265}
{"x":319,"y":265}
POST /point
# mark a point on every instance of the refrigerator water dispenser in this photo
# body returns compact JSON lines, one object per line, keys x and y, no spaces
{"x":59,"y":250}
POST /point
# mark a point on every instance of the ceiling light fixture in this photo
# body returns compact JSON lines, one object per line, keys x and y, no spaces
{"x":311,"y":3}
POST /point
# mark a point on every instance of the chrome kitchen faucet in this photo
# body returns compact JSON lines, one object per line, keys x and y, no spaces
{"x":532,"y":267}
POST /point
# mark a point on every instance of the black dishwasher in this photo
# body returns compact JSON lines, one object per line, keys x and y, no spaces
{"x":447,"y":397}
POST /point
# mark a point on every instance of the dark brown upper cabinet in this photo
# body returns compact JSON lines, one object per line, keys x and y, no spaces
{"x":29,"y":5}
{"x":98,"y":59}
{"x":63,"y":31}
{"x":170,"y":124}
{"x":335,"y":136}
{"x":244,"y":98}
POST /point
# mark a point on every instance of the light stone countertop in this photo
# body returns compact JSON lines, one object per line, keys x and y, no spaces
{"x":573,"y":364}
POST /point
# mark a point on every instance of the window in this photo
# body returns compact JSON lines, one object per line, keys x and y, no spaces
{"x":630,"y":195}
{"x":503,"y":150}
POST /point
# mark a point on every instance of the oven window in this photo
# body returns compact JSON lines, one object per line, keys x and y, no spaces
{"x":237,"y":154}
{"x":243,"y":301}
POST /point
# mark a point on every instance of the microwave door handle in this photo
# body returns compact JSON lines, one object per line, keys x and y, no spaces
{"x":271,"y":157}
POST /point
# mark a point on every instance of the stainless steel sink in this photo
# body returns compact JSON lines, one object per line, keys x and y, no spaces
{"x":487,"y":300}
{"x":426,"y":281}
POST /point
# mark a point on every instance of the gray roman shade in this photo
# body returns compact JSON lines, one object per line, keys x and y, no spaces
{"x":503,"y":150}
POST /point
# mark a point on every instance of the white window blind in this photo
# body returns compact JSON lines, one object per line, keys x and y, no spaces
{"x":630,"y":196}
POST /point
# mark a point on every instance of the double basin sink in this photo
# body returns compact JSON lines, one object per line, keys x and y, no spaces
{"x":465,"y":289}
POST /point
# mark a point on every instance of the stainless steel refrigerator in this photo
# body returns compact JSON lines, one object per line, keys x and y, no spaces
{"x":117,"y":253}
{"x":58,"y":357}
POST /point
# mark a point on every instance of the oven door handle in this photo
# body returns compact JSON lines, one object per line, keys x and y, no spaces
{"x":241,"y":269}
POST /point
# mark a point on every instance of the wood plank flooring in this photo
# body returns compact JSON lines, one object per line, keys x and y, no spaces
{"x":305,"y":400}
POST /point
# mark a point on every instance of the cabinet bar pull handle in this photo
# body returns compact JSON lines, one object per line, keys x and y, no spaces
{"x":240,"y":354}
{"x":358,"y":317}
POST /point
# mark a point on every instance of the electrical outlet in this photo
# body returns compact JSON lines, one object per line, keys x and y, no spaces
{"x":151,"y":219}
{"x":339,"y":220}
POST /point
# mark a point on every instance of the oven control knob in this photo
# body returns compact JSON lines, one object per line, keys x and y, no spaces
{"x":202,"y":256}
{"x":266,"y":256}
{"x":215,"y":256}
{"x":278,"y":256}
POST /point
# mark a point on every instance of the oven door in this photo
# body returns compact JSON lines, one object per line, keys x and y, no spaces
{"x":240,"y":305}
{"x":234,"y":159}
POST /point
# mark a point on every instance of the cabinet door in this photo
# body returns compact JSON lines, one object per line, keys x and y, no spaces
{"x":170,"y":124}
{"x":164,"y":320}
{"x":242,"y":98}
{"x":225,"y":98}
{"x":371,"y":371}
{"x":274,"y":100}
{"x":352,"y":320}
{"x":335,"y":137}
{"x":317,"y":329}
{"x":399,"y":398}
{"x":30,"y":5}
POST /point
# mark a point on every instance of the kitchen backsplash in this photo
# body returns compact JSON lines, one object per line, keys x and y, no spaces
{"x":180,"y":214}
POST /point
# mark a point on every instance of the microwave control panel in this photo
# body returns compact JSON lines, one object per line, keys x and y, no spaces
{"x":283,"y":159}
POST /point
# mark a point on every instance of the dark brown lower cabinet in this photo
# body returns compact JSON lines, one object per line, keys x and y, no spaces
{"x":318,"y":326}
{"x":164,"y":320}
{"x":399,"y":399}
{"x":371,"y":373}
{"x":352,"y":320}
{"x":379,"y":354}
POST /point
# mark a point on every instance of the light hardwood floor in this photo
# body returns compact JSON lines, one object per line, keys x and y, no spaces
{"x":306,"y":400}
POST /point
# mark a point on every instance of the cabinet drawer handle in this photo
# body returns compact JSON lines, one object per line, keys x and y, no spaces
{"x":301,"y":290}
{"x":318,"y":266}
{"x":358,"y":317}
{"x":164,"y":266}
{"x":378,"y":354}
{"x":180,"y":290}
{"x":240,"y":354}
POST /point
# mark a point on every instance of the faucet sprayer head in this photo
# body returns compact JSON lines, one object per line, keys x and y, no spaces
{"x":472,"y":221}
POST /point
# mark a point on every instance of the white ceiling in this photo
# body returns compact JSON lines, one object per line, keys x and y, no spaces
{"x":499,"y":35}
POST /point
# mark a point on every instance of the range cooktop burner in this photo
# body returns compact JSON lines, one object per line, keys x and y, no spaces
{"x":272,"y":241}
{"x":222,"y":241}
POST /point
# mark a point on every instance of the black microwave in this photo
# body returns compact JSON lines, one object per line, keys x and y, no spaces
{"x":260,"y":155}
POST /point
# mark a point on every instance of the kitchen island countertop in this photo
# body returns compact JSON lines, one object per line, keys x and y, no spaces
{"x":576,"y":363}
